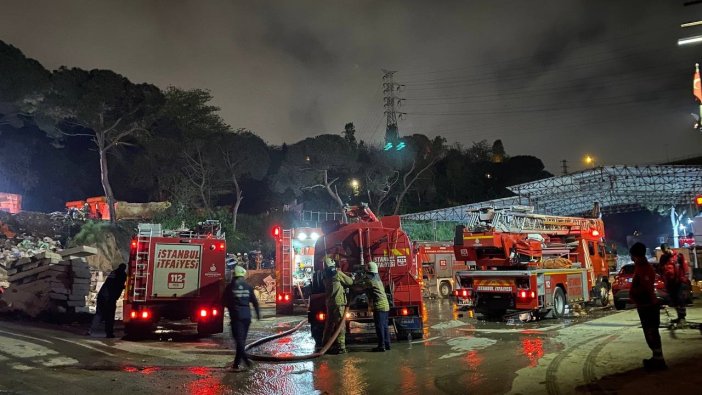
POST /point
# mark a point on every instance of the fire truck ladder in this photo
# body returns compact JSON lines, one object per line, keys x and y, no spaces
{"x":286,"y":264}
{"x":143,"y":252}
{"x":509,"y":221}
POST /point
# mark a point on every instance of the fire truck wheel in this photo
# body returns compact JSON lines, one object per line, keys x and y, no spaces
{"x":602,"y":292}
{"x":445,"y":289}
{"x":559,"y":303}
{"x":619,"y":305}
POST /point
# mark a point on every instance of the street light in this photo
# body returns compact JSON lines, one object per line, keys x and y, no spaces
{"x":589,"y":160}
{"x":355,"y":186}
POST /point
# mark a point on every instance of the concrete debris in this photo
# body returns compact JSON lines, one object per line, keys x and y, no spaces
{"x":41,"y":278}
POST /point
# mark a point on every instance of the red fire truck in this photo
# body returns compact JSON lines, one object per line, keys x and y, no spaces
{"x":439,"y":267}
{"x":352,"y":246}
{"x":175,"y":276}
{"x":294,"y":257}
{"x":530,"y":263}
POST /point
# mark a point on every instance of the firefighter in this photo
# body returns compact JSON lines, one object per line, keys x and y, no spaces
{"x":335,"y":284}
{"x":378,"y":301}
{"x":643,"y":294}
{"x":107,"y":301}
{"x":674,"y":270}
{"x":237,"y":297}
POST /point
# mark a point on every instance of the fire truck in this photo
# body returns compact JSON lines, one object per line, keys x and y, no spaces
{"x":175,"y":277}
{"x":294,"y":257}
{"x":353,"y":246}
{"x":530,"y":263}
{"x":439,"y":267}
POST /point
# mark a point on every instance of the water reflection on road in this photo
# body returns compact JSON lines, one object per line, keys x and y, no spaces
{"x":459,"y":354}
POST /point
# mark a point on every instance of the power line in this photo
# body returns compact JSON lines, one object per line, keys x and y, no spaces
{"x":528,"y":109}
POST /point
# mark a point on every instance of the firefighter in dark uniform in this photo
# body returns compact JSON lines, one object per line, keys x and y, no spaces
{"x":107,"y":301}
{"x":237,"y":297}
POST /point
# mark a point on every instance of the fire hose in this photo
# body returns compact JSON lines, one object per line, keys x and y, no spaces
{"x":286,"y":358}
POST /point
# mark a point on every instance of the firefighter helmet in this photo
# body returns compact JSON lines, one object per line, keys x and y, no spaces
{"x":239,"y":271}
{"x":329,"y":262}
{"x":372,"y":267}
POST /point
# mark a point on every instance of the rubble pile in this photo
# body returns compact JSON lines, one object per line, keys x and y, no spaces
{"x":14,"y":250}
{"x":48,"y":281}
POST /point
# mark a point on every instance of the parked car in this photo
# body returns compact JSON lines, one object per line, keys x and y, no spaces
{"x":622,"y":284}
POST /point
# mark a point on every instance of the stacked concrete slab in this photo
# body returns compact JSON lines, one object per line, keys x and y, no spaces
{"x":49,"y":282}
{"x":20,"y":250}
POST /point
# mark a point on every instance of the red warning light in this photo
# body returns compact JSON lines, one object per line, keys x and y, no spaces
{"x":276,"y":232}
{"x":595,"y":233}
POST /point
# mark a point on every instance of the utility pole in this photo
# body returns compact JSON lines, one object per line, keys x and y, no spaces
{"x":564,"y":164}
{"x":391,"y":103}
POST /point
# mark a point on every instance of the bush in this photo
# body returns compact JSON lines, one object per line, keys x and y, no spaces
{"x":430,"y":230}
{"x":91,"y":233}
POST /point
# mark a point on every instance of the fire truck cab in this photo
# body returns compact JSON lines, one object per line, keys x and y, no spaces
{"x":175,"y":277}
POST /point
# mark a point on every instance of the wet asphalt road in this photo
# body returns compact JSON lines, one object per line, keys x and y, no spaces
{"x":459,"y":354}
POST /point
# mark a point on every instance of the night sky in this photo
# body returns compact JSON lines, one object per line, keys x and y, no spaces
{"x":555,"y":79}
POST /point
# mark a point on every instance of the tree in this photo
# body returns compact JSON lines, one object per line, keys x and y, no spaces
{"x":199,"y":169}
{"x":23,"y":81}
{"x":194,"y":129}
{"x":243,"y":154}
{"x":380,"y":178}
{"x":349,"y":133}
{"x":103,"y":106}
{"x":318,"y":163}
{"x":424,"y":153}
{"x":498,"y":152}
